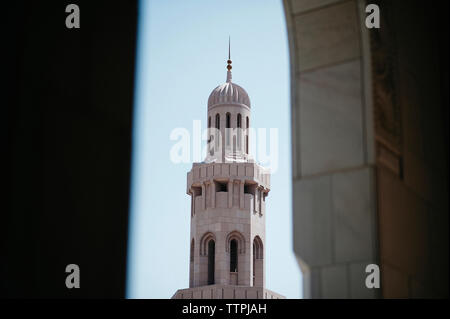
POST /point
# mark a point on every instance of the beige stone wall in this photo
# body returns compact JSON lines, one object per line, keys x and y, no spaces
{"x":370,"y":147}
{"x":226,"y":215}
{"x":335,"y":234}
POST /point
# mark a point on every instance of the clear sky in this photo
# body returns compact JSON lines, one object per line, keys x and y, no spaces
{"x":181,"y":58}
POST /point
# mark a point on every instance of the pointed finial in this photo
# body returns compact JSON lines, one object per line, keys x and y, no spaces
{"x":229,"y":46}
{"x":229,"y":67}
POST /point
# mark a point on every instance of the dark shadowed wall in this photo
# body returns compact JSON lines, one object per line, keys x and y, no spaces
{"x":370,"y":147}
{"x":67,"y":125}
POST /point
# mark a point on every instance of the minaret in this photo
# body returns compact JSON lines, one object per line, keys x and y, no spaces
{"x":228,"y":205}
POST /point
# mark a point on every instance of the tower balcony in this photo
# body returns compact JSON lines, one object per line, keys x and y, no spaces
{"x":251,"y":173}
{"x":229,"y":185}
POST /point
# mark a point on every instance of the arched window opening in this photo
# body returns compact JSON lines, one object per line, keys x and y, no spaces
{"x":191,"y":264}
{"x":192,"y":250}
{"x":239,"y":121}
{"x":209,"y":122}
{"x":258,"y":263}
{"x":218,"y":121}
{"x":211,"y":261}
{"x":258,"y":248}
{"x":254,"y":263}
{"x":206,"y":260}
{"x":233,"y":255}
{"x":228,"y":125}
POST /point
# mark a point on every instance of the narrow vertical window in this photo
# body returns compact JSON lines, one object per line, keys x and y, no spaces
{"x":228,"y":125}
{"x":218,"y":121}
{"x":191,"y":264}
{"x":239,"y":137}
{"x":248,"y":122}
{"x":209,"y":122}
{"x":233,"y":256}
{"x":211,"y":261}
{"x":258,"y":262}
{"x":254,"y":264}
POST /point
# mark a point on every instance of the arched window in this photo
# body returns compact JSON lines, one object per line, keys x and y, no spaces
{"x":218,"y":121}
{"x":211,"y":261}
{"x":233,"y":255}
{"x":254,"y":264}
{"x":258,"y":263}
{"x":191,"y":264}
{"x":248,"y":122}
{"x":207,"y":255}
{"x":235,"y":246}
{"x":239,"y":133}
{"x":192,"y":249}
{"x":257,"y":248}
{"x":238,"y":238}
{"x":228,"y":125}
{"x":209,"y":122}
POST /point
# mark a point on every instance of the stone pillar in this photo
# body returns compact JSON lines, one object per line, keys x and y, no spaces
{"x":255,"y":201}
{"x":230,"y":193}
{"x":260,"y":197}
{"x":192,"y":203}
{"x":241,"y":194}
{"x":221,"y":271}
{"x":246,"y":271}
{"x":213,"y":194}
{"x":207,"y":194}
{"x":236,"y":189}
{"x":334,"y":211}
{"x":203,"y":196}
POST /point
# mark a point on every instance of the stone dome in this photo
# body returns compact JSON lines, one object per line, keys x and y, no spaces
{"x":228,"y":93}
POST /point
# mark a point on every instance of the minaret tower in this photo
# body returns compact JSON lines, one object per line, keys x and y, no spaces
{"x":228,"y":205}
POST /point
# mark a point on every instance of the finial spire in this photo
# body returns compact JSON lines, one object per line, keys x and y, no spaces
{"x":229,"y":46}
{"x":229,"y":67}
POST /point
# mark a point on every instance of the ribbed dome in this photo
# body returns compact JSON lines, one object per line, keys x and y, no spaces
{"x":228,"y":93}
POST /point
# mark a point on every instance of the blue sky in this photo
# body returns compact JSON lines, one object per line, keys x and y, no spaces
{"x":181,"y":58}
